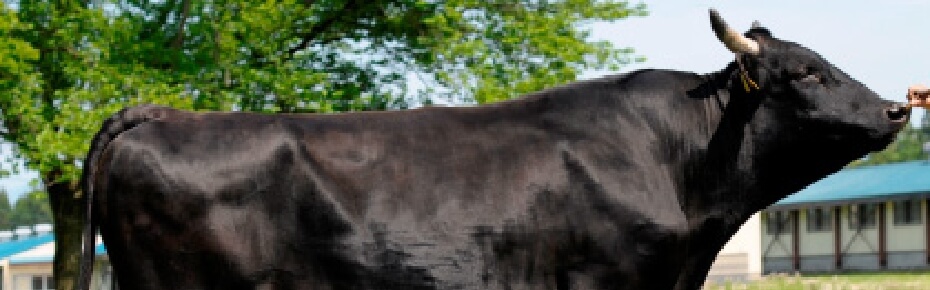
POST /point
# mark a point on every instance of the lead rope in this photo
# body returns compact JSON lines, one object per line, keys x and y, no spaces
{"x":748,"y":83}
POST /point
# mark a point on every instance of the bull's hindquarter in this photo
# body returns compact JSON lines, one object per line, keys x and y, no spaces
{"x":432,"y":199}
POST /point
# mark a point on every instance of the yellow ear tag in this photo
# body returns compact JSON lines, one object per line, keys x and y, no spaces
{"x":747,"y":82}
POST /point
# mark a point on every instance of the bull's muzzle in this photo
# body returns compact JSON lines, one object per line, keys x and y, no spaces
{"x":898,"y":113}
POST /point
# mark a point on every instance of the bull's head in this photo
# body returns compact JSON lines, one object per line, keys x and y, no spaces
{"x":818,"y":115}
{"x":799,"y":82}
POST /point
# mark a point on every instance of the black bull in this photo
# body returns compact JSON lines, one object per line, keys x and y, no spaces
{"x":632,"y":181}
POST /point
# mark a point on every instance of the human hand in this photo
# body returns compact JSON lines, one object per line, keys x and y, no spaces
{"x":918,"y":96}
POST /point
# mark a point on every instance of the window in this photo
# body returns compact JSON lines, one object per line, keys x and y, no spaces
{"x":906,"y":212}
{"x":819,"y":219}
{"x":862,"y":216}
{"x":42,"y":282}
{"x":777,"y":222}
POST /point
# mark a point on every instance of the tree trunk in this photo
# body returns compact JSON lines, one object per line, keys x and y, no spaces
{"x":68,"y":216}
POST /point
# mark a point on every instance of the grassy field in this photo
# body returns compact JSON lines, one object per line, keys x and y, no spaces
{"x":871,"y":281}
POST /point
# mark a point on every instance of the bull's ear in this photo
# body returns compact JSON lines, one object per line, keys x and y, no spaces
{"x":758,"y":30}
{"x":733,"y":40}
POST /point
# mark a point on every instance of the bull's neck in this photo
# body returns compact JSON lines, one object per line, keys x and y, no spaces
{"x":720,"y":175}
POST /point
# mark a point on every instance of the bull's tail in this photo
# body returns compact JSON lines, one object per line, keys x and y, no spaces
{"x":118,"y":123}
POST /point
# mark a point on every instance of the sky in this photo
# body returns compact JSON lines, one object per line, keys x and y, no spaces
{"x":883,"y":44}
{"x":18,"y":184}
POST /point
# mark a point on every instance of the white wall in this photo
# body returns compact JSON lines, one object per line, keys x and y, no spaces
{"x":779,"y":248}
{"x":904,"y":237}
{"x":814,"y":243}
{"x":21,"y":275}
{"x":748,"y":240}
{"x":775,"y":245}
{"x":865,"y":241}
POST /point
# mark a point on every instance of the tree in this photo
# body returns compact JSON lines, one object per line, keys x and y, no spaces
{"x":6,"y":211}
{"x":30,"y":209}
{"x":66,"y":65}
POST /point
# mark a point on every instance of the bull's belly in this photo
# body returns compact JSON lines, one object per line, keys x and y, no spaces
{"x":244,"y":253}
{"x":233,"y":248}
{"x":404,"y":259}
{"x":479,"y":258}
{"x":485,"y":257}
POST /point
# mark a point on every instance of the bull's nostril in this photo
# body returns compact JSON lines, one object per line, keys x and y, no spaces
{"x":897,"y":112}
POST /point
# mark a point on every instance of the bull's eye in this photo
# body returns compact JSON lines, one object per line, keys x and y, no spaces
{"x":811,"y":78}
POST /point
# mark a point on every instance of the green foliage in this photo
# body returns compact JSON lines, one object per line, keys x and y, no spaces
{"x":6,"y":211}
{"x":57,"y":84}
{"x":66,"y":65}
{"x":30,"y":209}
{"x":495,"y":50}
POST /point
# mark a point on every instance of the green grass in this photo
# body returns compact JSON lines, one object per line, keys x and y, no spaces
{"x":858,"y":281}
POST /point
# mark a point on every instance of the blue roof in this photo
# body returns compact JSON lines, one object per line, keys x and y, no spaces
{"x":31,"y":260}
{"x":879,"y":182}
{"x":99,"y":250}
{"x":14,"y":247}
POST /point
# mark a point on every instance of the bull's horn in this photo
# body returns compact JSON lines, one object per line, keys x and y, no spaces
{"x":734,"y":41}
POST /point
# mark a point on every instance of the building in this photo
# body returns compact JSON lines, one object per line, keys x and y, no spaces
{"x":741,"y":258}
{"x":26,"y":256}
{"x":861,"y":219}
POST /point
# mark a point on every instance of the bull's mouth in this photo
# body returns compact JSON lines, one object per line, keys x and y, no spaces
{"x":869,"y":138}
{"x":898,"y":114}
